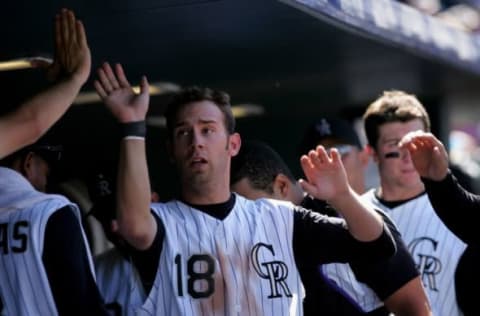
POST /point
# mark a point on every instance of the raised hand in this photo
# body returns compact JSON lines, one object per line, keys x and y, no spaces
{"x":72,"y":58}
{"x":326,"y":176}
{"x":118,"y":95}
{"x":428,"y":154}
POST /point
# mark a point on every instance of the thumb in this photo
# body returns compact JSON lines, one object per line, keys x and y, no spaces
{"x":144,"y":87}
{"x":40,"y":62}
{"x":307,"y":187}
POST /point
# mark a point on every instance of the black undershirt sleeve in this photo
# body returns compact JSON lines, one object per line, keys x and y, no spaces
{"x":147,"y":261}
{"x":324,"y":239}
{"x":456,"y":207}
{"x":387,"y":276}
{"x":66,"y":263}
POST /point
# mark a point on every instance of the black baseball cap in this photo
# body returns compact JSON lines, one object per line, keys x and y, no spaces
{"x":52,"y":154}
{"x":324,"y":128}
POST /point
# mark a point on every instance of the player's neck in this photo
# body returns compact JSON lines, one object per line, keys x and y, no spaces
{"x":389,"y":192}
{"x":206,"y":194}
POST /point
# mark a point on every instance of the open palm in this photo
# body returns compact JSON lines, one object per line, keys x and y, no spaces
{"x":325,"y":174}
{"x":118,"y":95}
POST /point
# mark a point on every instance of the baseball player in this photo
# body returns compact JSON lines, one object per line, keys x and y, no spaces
{"x":213,"y":252}
{"x":435,"y":249}
{"x":258,"y":171}
{"x":45,"y":262}
{"x":117,"y":278}
{"x":446,"y":194}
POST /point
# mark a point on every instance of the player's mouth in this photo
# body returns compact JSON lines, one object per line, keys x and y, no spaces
{"x":198,"y":161}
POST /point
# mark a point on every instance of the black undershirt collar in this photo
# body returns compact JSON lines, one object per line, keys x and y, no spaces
{"x":393,"y":204}
{"x":219,"y":211}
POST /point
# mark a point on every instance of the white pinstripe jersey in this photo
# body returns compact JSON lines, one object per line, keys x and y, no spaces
{"x":435,"y":249}
{"x":241,"y":265}
{"x":119,"y":282}
{"x":24,"y":285}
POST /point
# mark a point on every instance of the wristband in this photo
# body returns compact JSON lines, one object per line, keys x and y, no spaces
{"x":133,"y":130}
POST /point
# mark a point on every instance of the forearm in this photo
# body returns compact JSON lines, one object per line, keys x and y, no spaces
{"x":136,"y":223}
{"x":38,"y":114}
{"x":453,"y":204}
{"x":48,"y":106}
{"x":363,"y":222}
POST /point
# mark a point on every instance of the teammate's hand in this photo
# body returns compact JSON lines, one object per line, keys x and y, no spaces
{"x":326,"y":176}
{"x":72,"y":55}
{"x":118,"y":95}
{"x":428,"y":154}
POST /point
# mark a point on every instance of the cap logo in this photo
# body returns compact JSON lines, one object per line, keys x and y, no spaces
{"x":324,"y":127}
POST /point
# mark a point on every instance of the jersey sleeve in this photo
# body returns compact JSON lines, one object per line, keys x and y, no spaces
{"x":400,"y":268}
{"x":455,"y":206}
{"x":147,"y":261}
{"x":66,"y":262}
{"x":319,"y":239}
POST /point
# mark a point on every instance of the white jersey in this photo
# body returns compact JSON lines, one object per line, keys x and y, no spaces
{"x":241,"y":265}
{"x":24,"y":213}
{"x":119,"y":282}
{"x":434,"y":248}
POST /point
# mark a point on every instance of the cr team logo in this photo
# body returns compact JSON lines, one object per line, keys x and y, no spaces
{"x":276,"y":272}
{"x":428,"y":265}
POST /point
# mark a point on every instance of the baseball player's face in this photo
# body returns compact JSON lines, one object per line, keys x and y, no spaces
{"x":202,"y":147}
{"x":37,"y":170}
{"x":395,"y":165}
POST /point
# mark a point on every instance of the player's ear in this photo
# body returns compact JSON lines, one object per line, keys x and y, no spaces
{"x":27,"y":165}
{"x":371,"y":152}
{"x":234,"y":143}
{"x":282,"y":186}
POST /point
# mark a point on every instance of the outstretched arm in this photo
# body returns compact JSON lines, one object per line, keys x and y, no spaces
{"x":70,"y":70}
{"x":450,"y":200}
{"x":135,"y":221}
{"x":327,"y":180}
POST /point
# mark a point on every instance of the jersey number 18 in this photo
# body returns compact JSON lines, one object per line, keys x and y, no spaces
{"x":200,"y":270}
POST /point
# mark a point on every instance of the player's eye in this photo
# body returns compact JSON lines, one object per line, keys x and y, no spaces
{"x":182,"y":133}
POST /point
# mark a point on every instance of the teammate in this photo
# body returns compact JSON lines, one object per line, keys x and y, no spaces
{"x":403,"y":295}
{"x":45,"y":263}
{"x":446,"y":194}
{"x":70,"y":70}
{"x":213,"y":252}
{"x":258,"y":171}
{"x":117,"y":278}
{"x":435,"y":249}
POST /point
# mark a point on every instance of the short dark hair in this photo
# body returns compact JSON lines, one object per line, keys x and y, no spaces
{"x":393,"y":106}
{"x":260,"y":164}
{"x":195,"y":94}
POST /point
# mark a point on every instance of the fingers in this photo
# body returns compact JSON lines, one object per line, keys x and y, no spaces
{"x":122,"y":79}
{"x":110,"y":76}
{"x":58,"y":36}
{"x":99,"y":88}
{"x":306,"y":164}
{"x":65,"y":27}
{"x":307,"y":187}
{"x":144,"y":87}
{"x":80,"y":33}
{"x":319,"y":157}
{"x":104,"y":74}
